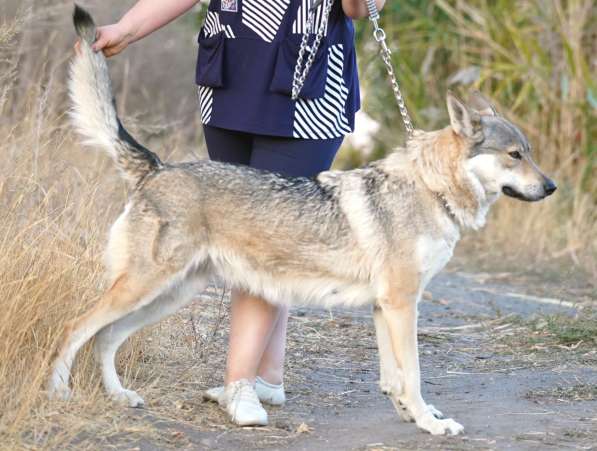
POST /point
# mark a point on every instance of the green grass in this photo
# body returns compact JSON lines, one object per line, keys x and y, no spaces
{"x":569,"y":331}
{"x":550,"y":331}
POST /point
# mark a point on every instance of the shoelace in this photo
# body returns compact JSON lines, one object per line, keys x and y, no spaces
{"x":243,"y":390}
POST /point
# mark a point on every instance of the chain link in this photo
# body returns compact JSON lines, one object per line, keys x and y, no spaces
{"x":385,"y":56}
{"x":380,"y":36}
{"x":299,"y":76}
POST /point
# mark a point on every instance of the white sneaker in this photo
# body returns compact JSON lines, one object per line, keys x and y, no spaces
{"x":267,"y":393}
{"x":271,"y":394}
{"x":242,"y":404}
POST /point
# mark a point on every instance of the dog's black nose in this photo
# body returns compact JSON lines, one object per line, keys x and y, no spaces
{"x":549,"y":186}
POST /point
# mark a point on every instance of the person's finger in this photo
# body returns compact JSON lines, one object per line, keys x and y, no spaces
{"x":114,"y":49}
{"x":111,"y":51}
{"x":100,"y":43}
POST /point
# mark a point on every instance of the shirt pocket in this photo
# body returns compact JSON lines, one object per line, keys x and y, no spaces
{"x":288,"y":50}
{"x":210,"y":60}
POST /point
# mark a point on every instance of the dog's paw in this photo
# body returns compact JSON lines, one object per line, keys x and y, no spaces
{"x":402,"y":410}
{"x":390,"y":387}
{"x":127,"y":397}
{"x":390,"y":381}
{"x":436,"y":426}
{"x":58,"y":383}
{"x":60,"y":392}
{"x":436,"y":413}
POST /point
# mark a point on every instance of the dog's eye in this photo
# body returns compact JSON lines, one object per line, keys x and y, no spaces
{"x":516,"y":155}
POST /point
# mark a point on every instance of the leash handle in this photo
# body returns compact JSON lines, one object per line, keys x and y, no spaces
{"x":380,"y":36}
{"x":302,"y":70}
{"x":373,"y":11}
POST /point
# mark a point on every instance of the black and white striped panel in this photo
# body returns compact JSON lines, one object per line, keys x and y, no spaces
{"x":325,"y":117}
{"x":206,"y":98}
{"x":264,"y":16}
{"x":212,"y":26}
{"x":299,"y":26}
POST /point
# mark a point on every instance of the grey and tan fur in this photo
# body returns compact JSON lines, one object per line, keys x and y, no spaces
{"x":373,"y":235}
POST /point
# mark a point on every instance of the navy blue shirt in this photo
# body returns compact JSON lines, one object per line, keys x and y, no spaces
{"x":247,"y":54}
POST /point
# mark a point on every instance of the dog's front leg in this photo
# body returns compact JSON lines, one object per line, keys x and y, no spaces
{"x":391,"y":378}
{"x":400,"y":313}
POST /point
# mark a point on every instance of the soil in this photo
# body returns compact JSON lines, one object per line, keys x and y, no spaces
{"x":485,"y":360}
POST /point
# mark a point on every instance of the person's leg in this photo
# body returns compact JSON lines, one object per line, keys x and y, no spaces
{"x":271,"y":365}
{"x":252,"y":319}
{"x":295,"y":157}
{"x":228,"y":146}
{"x":258,"y":329}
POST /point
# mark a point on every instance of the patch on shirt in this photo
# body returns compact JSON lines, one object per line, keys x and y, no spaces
{"x":230,"y":6}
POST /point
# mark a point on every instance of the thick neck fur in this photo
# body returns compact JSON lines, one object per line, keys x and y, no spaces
{"x":439,"y":159}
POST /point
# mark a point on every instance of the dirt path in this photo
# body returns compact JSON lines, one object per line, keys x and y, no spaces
{"x":513,"y":381}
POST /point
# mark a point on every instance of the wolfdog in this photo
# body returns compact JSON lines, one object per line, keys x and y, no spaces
{"x":374,"y":235}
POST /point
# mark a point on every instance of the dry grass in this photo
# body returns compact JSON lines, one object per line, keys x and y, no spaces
{"x":574,"y":393}
{"x":58,"y":201}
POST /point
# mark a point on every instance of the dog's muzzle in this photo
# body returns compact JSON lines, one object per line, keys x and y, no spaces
{"x":548,"y":188}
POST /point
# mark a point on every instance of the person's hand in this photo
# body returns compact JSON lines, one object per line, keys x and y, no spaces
{"x":110,"y":39}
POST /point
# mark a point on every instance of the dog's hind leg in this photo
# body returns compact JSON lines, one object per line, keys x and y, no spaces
{"x":129,"y":292}
{"x":111,"y":337}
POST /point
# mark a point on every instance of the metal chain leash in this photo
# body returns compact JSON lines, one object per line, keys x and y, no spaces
{"x":380,"y":36}
{"x":299,"y":76}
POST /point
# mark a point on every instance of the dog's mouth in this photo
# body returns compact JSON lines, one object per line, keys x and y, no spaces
{"x":511,"y":192}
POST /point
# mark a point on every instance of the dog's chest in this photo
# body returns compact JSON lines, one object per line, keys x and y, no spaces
{"x":433,"y":254}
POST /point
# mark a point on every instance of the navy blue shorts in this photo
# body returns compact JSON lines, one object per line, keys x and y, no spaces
{"x":288,"y":156}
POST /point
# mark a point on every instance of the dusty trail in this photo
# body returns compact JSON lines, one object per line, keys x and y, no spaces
{"x":484,"y":363}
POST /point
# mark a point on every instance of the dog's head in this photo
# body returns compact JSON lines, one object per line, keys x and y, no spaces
{"x":499,"y":153}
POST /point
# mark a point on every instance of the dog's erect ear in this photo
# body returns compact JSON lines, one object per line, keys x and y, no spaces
{"x":465,"y":122}
{"x":481,"y":104}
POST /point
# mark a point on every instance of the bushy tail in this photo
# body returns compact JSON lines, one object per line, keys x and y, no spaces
{"x":93,"y":109}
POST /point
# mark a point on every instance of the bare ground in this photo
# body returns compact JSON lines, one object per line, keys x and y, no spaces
{"x":511,"y":367}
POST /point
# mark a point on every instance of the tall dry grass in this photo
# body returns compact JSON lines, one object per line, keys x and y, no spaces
{"x":50,"y":231}
{"x":58,"y":199}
